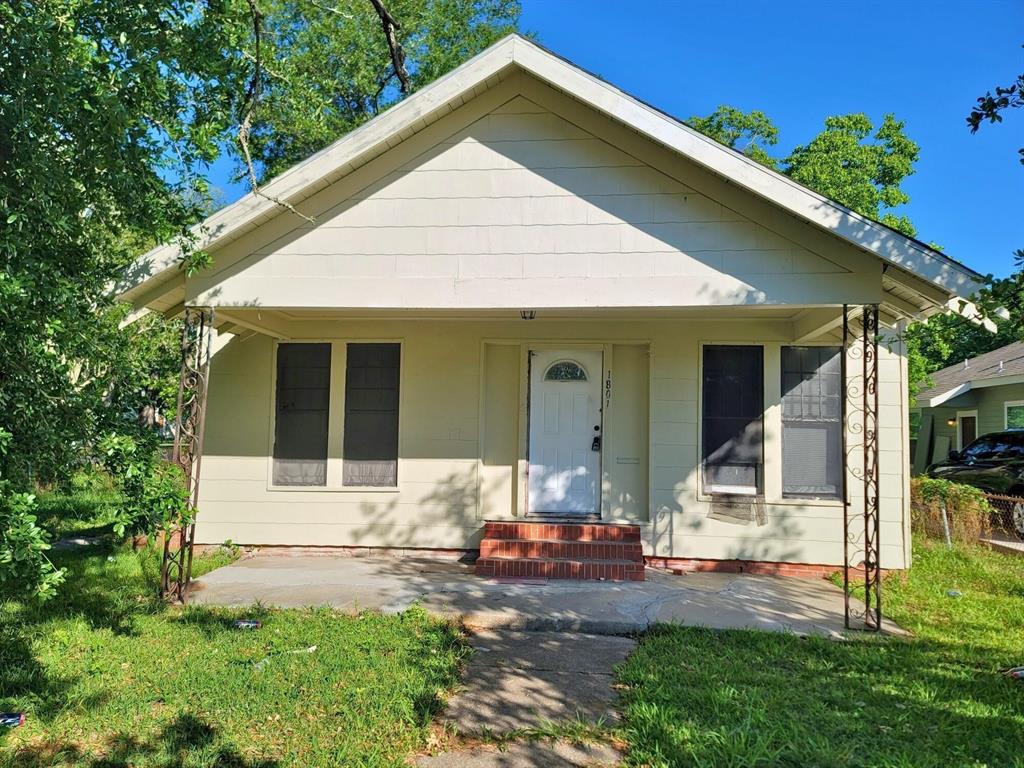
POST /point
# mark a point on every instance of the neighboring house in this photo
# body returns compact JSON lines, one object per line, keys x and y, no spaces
{"x":528,"y":296}
{"x":971,"y":398}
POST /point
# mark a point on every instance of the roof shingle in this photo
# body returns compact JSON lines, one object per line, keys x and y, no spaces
{"x":1005,"y":361}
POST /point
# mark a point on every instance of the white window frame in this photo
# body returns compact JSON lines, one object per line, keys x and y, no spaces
{"x":1006,"y":410}
{"x":959,"y":427}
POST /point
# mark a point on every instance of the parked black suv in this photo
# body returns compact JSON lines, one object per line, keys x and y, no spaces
{"x":993,"y":463}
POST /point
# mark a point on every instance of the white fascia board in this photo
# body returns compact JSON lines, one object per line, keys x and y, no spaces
{"x":935,"y":402}
{"x":970,"y":311}
{"x":312,"y":174}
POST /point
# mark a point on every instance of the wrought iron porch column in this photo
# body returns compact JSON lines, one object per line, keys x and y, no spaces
{"x":861,"y":521}
{"x":196,"y":333}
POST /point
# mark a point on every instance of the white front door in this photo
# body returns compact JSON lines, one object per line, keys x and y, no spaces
{"x":565,"y":432}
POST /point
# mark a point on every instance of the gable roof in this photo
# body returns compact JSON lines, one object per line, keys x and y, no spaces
{"x":1000,"y":366}
{"x":156,"y":275}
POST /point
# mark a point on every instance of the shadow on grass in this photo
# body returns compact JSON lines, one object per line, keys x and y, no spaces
{"x":701,"y":697}
{"x":187,"y":740}
{"x":108,"y":586}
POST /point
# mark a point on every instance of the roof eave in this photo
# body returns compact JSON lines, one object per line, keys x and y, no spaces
{"x":382,"y":132}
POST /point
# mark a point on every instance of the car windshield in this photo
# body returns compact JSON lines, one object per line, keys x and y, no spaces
{"x":1003,"y":445}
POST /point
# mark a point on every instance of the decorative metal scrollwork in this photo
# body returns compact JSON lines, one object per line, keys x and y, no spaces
{"x":179,"y":538}
{"x":861,"y":519}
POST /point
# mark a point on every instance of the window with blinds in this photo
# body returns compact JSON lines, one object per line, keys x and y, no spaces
{"x":370,"y":446}
{"x":732,"y":451}
{"x":302,"y":405}
{"x":812,"y":422}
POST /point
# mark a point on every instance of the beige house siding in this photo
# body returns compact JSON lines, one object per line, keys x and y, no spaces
{"x":525,"y":198}
{"x":522,"y":197}
{"x":462,"y":441}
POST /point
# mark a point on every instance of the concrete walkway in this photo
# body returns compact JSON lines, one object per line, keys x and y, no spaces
{"x":518,"y":681}
{"x":449,"y":588}
{"x":1006,"y":544}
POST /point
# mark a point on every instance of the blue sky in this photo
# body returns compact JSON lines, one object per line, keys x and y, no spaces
{"x":800,"y":61}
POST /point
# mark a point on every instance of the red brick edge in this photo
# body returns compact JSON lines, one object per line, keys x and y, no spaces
{"x":293,"y":550}
{"x":762,"y":567}
{"x":671,"y":564}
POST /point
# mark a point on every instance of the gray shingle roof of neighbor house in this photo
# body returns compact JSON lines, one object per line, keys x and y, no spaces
{"x":918,"y":279}
{"x":1000,"y":366}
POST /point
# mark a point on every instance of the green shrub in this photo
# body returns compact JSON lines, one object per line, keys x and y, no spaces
{"x":155,"y":496}
{"x":968,"y":512}
{"x":25,"y":570}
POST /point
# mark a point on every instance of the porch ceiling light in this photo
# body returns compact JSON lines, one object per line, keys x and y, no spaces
{"x":527,"y":314}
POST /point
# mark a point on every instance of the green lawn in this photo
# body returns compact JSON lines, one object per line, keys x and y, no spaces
{"x":110,"y":677}
{"x":84,"y":507}
{"x":704,"y":698}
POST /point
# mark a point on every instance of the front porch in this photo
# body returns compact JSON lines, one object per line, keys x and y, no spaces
{"x":450,"y":589}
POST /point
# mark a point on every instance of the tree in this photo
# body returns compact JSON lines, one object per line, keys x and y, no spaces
{"x":328,"y":68}
{"x":109,"y":114}
{"x":991,"y":106}
{"x":849,"y":161}
{"x":1003,"y":295}
{"x":748,"y":132}
{"x":841,"y":163}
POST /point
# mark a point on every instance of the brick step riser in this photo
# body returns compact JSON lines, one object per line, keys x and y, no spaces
{"x":562,"y":550}
{"x":562,"y":532}
{"x":558,"y":569}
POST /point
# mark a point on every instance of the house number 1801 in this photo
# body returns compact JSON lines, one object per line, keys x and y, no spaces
{"x":608,"y":389}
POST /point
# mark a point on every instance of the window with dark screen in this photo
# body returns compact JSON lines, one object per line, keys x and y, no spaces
{"x":732,"y":419}
{"x":301,"y":412}
{"x":812,"y":422}
{"x":370,"y":449}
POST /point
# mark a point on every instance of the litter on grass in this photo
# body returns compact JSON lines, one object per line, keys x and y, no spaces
{"x":247,"y":624}
{"x":266,"y":659}
{"x":1017,"y":673}
{"x":12,"y":719}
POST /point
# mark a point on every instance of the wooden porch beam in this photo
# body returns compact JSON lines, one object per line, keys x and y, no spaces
{"x":812,"y":323}
{"x":260,"y":325}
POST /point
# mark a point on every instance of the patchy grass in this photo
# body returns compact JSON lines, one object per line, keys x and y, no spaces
{"x":111,"y":677}
{"x":705,"y":698}
{"x":85,"y":506}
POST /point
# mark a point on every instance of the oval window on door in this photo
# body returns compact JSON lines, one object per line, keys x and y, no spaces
{"x":565,"y":370}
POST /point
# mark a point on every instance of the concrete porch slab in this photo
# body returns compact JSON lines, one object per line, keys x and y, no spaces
{"x":449,"y":588}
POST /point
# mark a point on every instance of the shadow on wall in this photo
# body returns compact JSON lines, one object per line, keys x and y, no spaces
{"x":452,"y":502}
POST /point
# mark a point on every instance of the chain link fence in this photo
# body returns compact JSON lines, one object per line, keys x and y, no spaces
{"x":988,"y":519}
{"x":1007,"y":517}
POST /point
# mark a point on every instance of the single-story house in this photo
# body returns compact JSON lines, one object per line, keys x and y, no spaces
{"x":968,"y":399}
{"x":531,"y":309}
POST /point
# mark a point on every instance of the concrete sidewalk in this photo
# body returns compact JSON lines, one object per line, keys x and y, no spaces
{"x":449,"y":588}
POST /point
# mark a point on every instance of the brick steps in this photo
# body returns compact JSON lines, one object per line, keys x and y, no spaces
{"x":562,"y":531}
{"x":608,"y":570}
{"x":561,"y":551}
{"x":550,"y":549}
